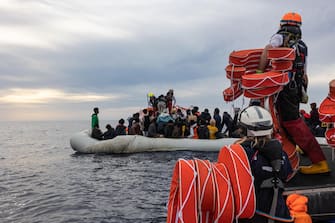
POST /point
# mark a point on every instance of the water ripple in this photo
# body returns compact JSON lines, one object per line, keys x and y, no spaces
{"x":43,"y":180}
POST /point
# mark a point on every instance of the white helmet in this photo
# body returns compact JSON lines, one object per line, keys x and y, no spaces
{"x":257,"y":121}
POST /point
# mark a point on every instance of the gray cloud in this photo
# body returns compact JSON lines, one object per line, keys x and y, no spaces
{"x":130,"y":48}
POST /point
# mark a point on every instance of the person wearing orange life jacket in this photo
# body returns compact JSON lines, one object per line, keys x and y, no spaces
{"x":294,"y":93}
{"x":269,"y":164}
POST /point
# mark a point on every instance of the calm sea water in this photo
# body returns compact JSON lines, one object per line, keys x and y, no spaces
{"x":43,"y":180}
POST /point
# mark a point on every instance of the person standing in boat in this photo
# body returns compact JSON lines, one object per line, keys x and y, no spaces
{"x":228,"y":121}
{"x":289,"y":99}
{"x":95,"y":118}
{"x":218,"y":119}
{"x":161,"y":104}
{"x":170,"y":100}
{"x":269,"y":164}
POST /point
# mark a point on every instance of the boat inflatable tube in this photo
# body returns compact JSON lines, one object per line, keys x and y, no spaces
{"x":82,"y":142}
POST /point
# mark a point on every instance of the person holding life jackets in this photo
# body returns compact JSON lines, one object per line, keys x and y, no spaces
{"x":269,"y":164}
{"x":294,"y":93}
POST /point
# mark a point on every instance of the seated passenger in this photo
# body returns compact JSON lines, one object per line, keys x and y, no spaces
{"x":203,"y":132}
{"x":152,"y":130}
{"x":97,"y":133}
{"x":213,"y":130}
{"x":162,"y":119}
{"x":135,"y":128}
{"x":168,"y":129}
{"x":121,"y":128}
{"x":110,"y":133}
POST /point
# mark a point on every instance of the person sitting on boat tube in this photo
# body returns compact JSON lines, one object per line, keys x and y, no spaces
{"x":289,"y":99}
{"x":269,"y":164}
{"x":109,"y":133}
{"x":97,"y":133}
{"x":121,"y":129}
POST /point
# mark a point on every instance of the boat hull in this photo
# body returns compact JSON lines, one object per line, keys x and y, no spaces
{"x":83,"y":143}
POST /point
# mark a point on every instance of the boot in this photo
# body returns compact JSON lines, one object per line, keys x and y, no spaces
{"x":316,"y":168}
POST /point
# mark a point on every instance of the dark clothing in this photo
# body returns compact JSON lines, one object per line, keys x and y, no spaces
{"x":290,"y":97}
{"x":146,"y":123}
{"x":314,"y":119}
{"x":97,"y":133}
{"x":264,"y":160}
{"x":168,"y":130}
{"x":109,"y":134}
{"x":288,"y":103}
{"x":228,"y":121}
{"x":152,"y":130}
{"x":218,"y":122}
{"x":205,"y":116}
{"x":120,"y":130}
{"x":203,"y":132}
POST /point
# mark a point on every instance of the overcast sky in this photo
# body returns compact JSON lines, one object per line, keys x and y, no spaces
{"x":61,"y":58}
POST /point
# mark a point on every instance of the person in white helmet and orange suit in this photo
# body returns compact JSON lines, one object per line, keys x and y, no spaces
{"x":289,"y":99}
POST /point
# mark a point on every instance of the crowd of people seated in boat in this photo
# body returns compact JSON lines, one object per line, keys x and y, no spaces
{"x":179,"y":123}
{"x":163,"y":119}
